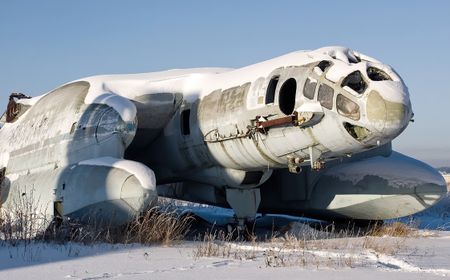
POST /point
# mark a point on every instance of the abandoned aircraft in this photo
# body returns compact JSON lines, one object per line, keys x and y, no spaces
{"x":308,"y":133}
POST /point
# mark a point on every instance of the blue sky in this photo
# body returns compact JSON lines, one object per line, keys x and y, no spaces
{"x":46,"y":43}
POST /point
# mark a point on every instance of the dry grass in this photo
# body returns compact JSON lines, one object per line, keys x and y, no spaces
{"x":395,"y":229}
{"x":24,"y":221}
{"x":382,"y":245}
{"x":301,"y":246}
{"x":155,"y":226}
{"x":326,"y":248}
{"x":221,"y":244}
{"x":23,"y":233}
{"x":158,"y":225}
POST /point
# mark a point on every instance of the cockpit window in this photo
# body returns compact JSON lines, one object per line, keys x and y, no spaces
{"x":355,"y":81}
{"x":320,"y":68}
{"x":324,"y":65}
{"x":270,"y":94}
{"x":325,"y":96}
{"x":376,"y":74}
{"x":347,"y":108}
{"x":309,"y":88}
{"x":354,"y":58}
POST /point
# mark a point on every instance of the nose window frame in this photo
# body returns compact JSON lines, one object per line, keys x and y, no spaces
{"x":271,"y":88}
{"x":376,"y":74}
{"x":309,"y":88}
{"x":343,"y":107}
{"x":355,"y":80}
{"x":325,"y":95}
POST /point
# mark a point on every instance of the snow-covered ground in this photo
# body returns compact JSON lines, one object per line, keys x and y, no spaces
{"x":424,"y":255}
{"x":418,"y":258}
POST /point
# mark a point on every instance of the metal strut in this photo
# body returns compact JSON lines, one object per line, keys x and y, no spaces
{"x":245,"y":203}
{"x":263,"y":125}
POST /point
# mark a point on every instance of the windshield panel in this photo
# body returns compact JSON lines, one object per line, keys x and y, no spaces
{"x":325,"y":96}
{"x":355,"y":81}
{"x":309,"y":88}
{"x":347,"y":108}
{"x":376,"y":74}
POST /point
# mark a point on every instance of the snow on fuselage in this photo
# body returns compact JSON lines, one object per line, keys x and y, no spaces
{"x":231,"y":127}
{"x":48,"y":153}
{"x":361,"y":104}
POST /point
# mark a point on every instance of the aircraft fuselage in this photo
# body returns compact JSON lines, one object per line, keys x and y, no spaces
{"x":237,"y":138}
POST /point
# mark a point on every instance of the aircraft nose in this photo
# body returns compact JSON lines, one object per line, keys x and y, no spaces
{"x":389,"y":118}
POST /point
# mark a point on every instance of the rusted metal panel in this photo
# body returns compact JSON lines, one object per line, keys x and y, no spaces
{"x":293,"y":119}
{"x":13,"y":108}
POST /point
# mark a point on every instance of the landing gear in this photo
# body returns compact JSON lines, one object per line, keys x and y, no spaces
{"x":314,"y":157}
{"x":245,"y":203}
{"x":245,"y":232}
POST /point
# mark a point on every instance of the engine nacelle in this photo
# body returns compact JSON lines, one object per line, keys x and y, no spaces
{"x":106,"y":190}
{"x":376,"y":188}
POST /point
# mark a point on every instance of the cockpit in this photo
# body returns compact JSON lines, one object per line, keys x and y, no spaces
{"x":326,"y":92}
{"x":361,"y":92}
